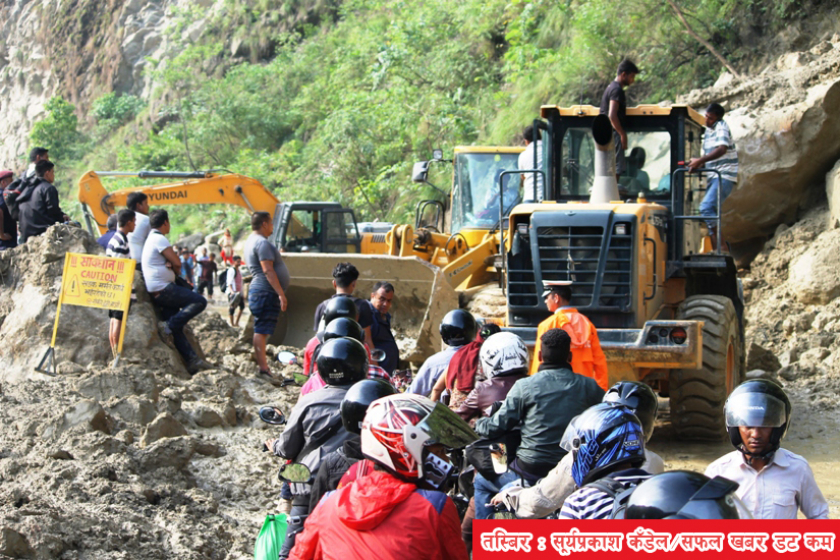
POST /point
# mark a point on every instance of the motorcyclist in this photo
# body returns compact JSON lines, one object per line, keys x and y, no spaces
{"x":353,"y":409}
{"x":400,"y":510}
{"x":685,"y":495}
{"x":774,"y":483}
{"x":314,"y":427}
{"x":338,"y":328}
{"x":542,"y":406}
{"x":607,"y":444}
{"x":550,"y":492}
{"x":333,"y":309}
{"x":457,"y":329}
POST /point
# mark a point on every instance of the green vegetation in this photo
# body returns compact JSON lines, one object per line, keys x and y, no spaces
{"x":322,"y":99}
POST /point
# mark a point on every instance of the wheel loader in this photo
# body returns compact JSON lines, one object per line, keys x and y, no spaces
{"x":668,"y":308}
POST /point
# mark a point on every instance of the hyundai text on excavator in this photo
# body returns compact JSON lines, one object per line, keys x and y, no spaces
{"x":314,"y":237}
{"x":668,"y":308}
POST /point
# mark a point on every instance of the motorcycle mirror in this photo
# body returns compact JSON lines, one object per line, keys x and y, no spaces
{"x":377,"y":355}
{"x":271,"y":415}
{"x":286,"y":358}
{"x":296,"y":472}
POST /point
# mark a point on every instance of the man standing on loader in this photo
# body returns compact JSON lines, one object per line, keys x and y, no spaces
{"x":721,"y":156}
{"x":614,"y":106}
{"x":587,"y":357}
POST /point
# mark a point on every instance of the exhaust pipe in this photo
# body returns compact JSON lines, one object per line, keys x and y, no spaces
{"x":604,"y":187}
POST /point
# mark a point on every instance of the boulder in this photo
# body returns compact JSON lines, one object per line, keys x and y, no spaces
{"x":814,"y":276}
{"x":134,"y":410}
{"x":14,"y":545}
{"x":87,"y":414}
{"x":760,"y":358}
{"x":781,"y":154}
{"x":164,"y":426}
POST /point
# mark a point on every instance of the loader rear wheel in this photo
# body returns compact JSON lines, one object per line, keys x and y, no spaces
{"x":698,"y":395}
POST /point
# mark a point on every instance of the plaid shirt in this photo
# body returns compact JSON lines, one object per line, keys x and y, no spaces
{"x":376,"y":372}
{"x":727,"y":164}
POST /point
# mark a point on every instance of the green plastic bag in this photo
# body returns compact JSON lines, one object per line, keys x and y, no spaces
{"x":271,"y":537}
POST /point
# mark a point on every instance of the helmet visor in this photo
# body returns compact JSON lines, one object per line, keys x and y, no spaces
{"x":447,"y":428}
{"x":570,"y":440}
{"x":757,"y":410}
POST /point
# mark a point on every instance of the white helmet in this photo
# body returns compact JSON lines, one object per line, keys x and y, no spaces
{"x":502,"y":353}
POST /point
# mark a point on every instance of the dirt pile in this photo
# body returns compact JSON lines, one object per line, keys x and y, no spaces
{"x":793,"y":309}
{"x":138,"y":461}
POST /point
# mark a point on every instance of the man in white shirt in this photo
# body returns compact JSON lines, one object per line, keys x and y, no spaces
{"x":177,"y":304}
{"x":526,"y":161}
{"x":773,"y":482}
{"x":138,"y":202}
{"x":35,"y":155}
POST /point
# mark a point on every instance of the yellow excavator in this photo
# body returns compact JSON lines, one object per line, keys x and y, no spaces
{"x":668,"y":307}
{"x":314,"y":237}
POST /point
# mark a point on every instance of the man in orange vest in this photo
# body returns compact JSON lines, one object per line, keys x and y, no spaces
{"x":587,"y":357}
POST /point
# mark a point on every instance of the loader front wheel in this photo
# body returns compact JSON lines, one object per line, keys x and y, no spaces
{"x":697,"y":396}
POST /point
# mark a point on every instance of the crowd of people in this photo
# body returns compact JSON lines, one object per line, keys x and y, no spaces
{"x":385,"y":465}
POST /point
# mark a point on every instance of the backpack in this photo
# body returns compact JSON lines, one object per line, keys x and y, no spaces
{"x":221,"y":280}
{"x":616,"y":491}
{"x":18,"y":191}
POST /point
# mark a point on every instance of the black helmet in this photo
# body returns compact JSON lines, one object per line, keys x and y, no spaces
{"x":358,"y":399}
{"x":685,"y":495}
{"x":639,"y":398}
{"x":342,"y":361}
{"x":344,"y":327}
{"x":457,"y":328}
{"x":340,"y":306}
{"x":758,"y":403}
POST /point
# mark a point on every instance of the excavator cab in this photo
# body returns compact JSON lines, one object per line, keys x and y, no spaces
{"x":316,"y":227}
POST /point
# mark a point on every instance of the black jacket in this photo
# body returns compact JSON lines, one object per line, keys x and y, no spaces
{"x":333,"y":467}
{"x":39,"y":209}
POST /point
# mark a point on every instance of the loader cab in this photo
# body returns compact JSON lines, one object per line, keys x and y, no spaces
{"x":474,"y":197}
{"x":618,"y":256}
{"x":316,"y":227}
{"x":660,"y":139}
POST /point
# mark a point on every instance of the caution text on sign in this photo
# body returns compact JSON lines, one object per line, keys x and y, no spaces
{"x":100,"y":282}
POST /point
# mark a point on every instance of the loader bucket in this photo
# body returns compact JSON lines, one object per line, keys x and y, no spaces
{"x":421,"y":298}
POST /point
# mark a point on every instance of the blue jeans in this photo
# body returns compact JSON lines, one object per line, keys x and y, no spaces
{"x":709,"y":205}
{"x":177,"y":306}
{"x":486,"y":489}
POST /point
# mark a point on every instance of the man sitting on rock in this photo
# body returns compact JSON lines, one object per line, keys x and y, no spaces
{"x":177,"y":304}
{"x":39,"y":208}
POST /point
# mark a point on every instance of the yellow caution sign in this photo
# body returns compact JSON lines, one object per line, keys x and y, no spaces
{"x":92,"y":281}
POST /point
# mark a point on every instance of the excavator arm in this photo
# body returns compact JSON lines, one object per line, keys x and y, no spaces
{"x":193,"y":188}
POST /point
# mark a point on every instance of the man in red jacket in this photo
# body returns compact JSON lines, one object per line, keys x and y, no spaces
{"x":400,"y":510}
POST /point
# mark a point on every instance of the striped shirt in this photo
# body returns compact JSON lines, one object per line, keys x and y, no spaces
{"x":727,"y":164}
{"x":592,"y":503}
{"x":118,"y":247}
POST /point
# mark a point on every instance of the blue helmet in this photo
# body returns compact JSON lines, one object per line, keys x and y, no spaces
{"x":602,"y":437}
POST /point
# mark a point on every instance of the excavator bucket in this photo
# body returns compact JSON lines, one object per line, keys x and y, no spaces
{"x":421,"y":298}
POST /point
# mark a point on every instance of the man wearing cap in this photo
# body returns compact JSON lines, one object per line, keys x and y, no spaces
{"x":587,"y":357}
{"x":8,"y":226}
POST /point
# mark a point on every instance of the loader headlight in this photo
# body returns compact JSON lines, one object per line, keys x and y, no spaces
{"x":620,"y":229}
{"x":679,"y":336}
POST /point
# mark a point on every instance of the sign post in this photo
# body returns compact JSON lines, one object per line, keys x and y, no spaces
{"x":92,"y":281}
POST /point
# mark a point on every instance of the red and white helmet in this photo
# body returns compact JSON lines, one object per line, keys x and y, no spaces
{"x":397,"y":430}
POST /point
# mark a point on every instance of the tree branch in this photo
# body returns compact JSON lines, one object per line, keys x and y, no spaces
{"x":678,"y":13}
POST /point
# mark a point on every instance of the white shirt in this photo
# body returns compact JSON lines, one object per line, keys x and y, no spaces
{"x":526,"y":161}
{"x":778,"y":490}
{"x":155,"y":272}
{"x":137,"y":238}
{"x":551,"y":492}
